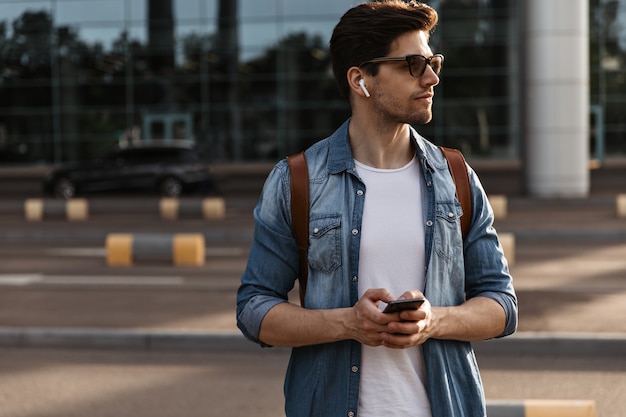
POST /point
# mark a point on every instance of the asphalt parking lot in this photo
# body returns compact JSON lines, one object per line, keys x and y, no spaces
{"x":163,"y":338}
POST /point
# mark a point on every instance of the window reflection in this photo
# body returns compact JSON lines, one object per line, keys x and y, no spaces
{"x":77,"y":76}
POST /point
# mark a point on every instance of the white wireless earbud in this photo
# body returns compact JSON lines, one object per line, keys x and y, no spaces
{"x":362,"y":84}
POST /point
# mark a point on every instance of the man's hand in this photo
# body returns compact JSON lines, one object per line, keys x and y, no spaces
{"x":398,"y":330}
{"x":367,"y":322}
{"x":408,"y":327}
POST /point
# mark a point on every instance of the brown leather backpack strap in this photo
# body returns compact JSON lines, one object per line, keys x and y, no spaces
{"x":299,"y":185}
{"x":458,"y":169}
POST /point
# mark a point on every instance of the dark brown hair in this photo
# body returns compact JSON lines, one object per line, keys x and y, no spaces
{"x":368,"y":30}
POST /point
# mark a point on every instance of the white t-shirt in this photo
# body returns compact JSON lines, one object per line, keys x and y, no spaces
{"x":392,"y":256}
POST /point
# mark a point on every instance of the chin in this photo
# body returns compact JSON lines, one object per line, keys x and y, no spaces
{"x":421,"y":119}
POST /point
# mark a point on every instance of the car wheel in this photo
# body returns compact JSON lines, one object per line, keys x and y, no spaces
{"x":171,"y":187}
{"x":64,"y":188}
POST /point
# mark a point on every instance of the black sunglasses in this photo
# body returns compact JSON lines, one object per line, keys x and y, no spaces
{"x":417,"y":63}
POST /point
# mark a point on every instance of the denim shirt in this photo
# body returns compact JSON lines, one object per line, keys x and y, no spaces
{"x":323,"y":380}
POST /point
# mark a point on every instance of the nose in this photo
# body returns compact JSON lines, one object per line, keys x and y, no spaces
{"x":429,"y":78}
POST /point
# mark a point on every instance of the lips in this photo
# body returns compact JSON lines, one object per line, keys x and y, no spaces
{"x":425,"y":96}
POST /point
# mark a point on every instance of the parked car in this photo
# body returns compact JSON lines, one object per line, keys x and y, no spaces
{"x":169,"y":170}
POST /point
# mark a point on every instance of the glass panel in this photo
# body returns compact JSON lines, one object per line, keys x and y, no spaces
{"x":331,"y":10}
{"x":10,"y":10}
{"x":259,"y":8}
{"x":607,"y":81}
{"x":89,"y":12}
{"x":101,"y":79}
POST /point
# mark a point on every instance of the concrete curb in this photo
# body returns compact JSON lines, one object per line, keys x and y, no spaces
{"x":140,"y":339}
{"x":540,"y":344}
{"x":541,"y":408}
{"x":556,"y":344}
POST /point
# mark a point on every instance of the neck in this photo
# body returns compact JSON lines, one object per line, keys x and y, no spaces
{"x":386,"y":147}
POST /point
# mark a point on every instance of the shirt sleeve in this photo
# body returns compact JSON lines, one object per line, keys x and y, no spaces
{"x":486,"y":268}
{"x":272,"y":265}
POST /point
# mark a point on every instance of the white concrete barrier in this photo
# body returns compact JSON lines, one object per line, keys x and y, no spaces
{"x":507,"y":240}
{"x":499,"y":204}
{"x":210,"y":208}
{"x":124,"y":249}
{"x":542,"y":408}
{"x":620,"y":205}
{"x":37,"y":209}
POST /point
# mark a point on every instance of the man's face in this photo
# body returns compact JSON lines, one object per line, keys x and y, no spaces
{"x":400,"y":97}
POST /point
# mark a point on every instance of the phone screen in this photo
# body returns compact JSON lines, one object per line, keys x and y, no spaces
{"x":399,"y":305}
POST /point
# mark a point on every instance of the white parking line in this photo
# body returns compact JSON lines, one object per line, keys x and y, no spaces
{"x":30,"y":279}
{"x":20,"y":279}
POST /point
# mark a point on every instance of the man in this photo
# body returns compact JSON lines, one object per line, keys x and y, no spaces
{"x":384,"y":224}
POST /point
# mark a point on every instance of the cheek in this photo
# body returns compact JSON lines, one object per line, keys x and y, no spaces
{"x":394,"y":102}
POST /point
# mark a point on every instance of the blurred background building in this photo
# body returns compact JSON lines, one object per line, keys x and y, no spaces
{"x":250,"y":80}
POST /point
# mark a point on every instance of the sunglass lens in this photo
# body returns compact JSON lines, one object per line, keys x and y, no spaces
{"x":436,"y":63}
{"x":418,"y":65}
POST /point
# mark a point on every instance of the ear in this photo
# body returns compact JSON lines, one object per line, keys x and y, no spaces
{"x":354,"y":75}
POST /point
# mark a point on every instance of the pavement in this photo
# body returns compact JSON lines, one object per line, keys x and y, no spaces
{"x":569,"y":268}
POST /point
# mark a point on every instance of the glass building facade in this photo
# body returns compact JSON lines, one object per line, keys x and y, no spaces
{"x":250,"y":80}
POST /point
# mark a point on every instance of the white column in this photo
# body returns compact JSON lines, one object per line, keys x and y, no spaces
{"x":557,"y":98}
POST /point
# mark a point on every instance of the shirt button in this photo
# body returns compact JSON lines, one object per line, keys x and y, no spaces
{"x":316,"y":230}
{"x":451,"y":215}
{"x":355,"y":368}
{"x":354,"y":279}
{"x":429,"y":223}
{"x":355,"y":232}
{"x":350,"y":413}
{"x":428,"y":184}
{"x":359,"y":192}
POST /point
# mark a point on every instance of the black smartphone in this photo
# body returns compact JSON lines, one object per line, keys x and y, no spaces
{"x":399,"y":305}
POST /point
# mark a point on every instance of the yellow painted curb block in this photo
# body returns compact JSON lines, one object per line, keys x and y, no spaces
{"x":499,"y":204}
{"x":541,"y":408}
{"x":188,"y":250}
{"x":209,"y":208}
{"x":507,"y":240}
{"x":620,"y":205}
{"x":183,"y":249}
{"x":119,"y":249}
{"x":560,"y":408}
{"x":77,"y":209}
{"x":214,"y":208}
{"x":168,"y":208}
{"x":33,"y":209}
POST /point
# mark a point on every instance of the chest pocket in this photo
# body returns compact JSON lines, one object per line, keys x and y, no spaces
{"x":448,"y":240}
{"x":325,"y":243}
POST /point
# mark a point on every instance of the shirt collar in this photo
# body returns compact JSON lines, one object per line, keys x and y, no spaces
{"x":340,"y":154}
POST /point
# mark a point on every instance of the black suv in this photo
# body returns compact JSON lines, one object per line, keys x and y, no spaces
{"x":168,"y":170}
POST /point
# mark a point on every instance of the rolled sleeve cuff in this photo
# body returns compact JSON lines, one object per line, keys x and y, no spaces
{"x":252,"y":316}
{"x":510,"y":310}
